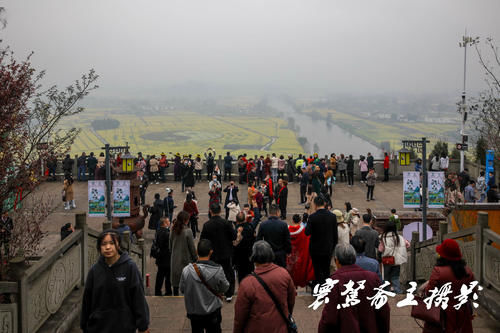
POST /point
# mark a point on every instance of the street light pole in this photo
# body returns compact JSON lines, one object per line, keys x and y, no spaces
{"x":466,"y":40}
{"x":424,"y":187}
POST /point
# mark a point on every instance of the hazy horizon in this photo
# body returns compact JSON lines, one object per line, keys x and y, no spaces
{"x":316,"y":47}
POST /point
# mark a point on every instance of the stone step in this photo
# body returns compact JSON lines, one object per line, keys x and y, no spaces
{"x":163,"y":309}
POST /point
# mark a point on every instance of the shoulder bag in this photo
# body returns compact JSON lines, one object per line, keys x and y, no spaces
{"x":197,"y":269}
{"x":290,"y":323}
{"x":389,"y":260}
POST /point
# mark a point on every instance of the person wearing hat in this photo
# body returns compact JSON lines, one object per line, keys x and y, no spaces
{"x":355,"y":221}
{"x":450,"y":267}
{"x":342,"y":228}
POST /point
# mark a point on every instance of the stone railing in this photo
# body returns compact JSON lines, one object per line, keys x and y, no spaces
{"x":38,"y":290}
{"x":480,"y":249}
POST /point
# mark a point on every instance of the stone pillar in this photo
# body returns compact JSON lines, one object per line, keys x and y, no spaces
{"x":482,"y":223}
{"x":81,"y":224}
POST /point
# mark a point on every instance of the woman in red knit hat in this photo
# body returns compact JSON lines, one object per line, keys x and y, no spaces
{"x":450,"y":267}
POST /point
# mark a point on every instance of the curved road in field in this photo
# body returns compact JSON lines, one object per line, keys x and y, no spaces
{"x":272,"y":139}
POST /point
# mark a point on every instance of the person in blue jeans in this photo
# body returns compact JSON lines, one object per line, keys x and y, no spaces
{"x":82,"y":167}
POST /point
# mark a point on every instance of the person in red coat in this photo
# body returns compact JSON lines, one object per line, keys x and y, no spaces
{"x":450,"y":267}
{"x":298,"y":263}
{"x":254,"y":310}
{"x":386,"y":167}
{"x":361,"y":317}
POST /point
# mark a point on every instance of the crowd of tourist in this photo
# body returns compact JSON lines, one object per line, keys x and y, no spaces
{"x":251,"y":244}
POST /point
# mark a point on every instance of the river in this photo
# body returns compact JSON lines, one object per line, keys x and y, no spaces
{"x":329,"y":138}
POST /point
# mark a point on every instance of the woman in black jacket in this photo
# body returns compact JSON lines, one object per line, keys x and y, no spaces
{"x":162,"y":238}
{"x":113,"y":299}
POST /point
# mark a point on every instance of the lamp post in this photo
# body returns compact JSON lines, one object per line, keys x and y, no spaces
{"x":466,"y":40}
{"x":108,"y":149}
{"x":421,"y":146}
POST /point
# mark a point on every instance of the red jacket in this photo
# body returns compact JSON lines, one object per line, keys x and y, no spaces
{"x":299,"y":263}
{"x":361,"y":317}
{"x":454,"y":318}
{"x":386,"y":162}
{"x":254,"y":310}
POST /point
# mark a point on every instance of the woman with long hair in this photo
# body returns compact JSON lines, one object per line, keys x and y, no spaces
{"x":329,"y":181}
{"x":343,"y":230}
{"x":113,"y":298}
{"x":393,"y":245}
{"x":347,"y":213}
{"x":191,"y":207}
{"x":182,"y":249}
{"x":198,"y":166}
{"x":363,"y":168}
{"x":451,"y":268}
{"x":310,"y":195}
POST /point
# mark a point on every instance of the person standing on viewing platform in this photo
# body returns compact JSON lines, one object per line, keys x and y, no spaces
{"x":255,"y":310}
{"x":162,"y":239}
{"x":231,"y":191}
{"x":113,"y":298}
{"x":181,"y":245}
{"x":67,"y":165}
{"x":274,"y":168}
{"x":387,"y":165}
{"x":191,"y":207}
{"x":350,"y":171}
{"x":360,"y":317}
{"x":298,"y":262}
{"x":342,"y":167}
{"x":290,"y":168}
{"x":282,"y":197}
{"x":222,"y":234}
{"x":177,"y":168}
{"x":91,"y":165}
{"x":82,"y":167}
{"x":281,"y":167}
{"x":68,"y":194}
{"x":275,"y":232}
{"x":322,"y":227}
{"x":371,"y":179}
{"x":363,"y":168}
{"x":210,"y":161}
{"x":370,"y":236}
{"x":198,"y":166}
{"x":363,"y":261}
{"x":304,"y":183}
{"x":228,"y":166}
{"x":245,"y":238}
{"x":202,"y":284}
{"x":163,"y":167}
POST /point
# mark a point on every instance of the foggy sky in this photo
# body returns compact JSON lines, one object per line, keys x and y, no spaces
{"x":369,"y":46}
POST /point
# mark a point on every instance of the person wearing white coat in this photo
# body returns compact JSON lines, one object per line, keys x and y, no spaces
{"x":393,"y":244}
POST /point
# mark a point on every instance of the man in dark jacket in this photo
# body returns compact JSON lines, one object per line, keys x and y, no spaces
{"x":113,"y":299}
{"x":322,"y":227}
{"x":82,"y":167}
{"x":231,"y":196}
{"x":290,"y":168}
{"x":91,"y":165}
{"x":52,"y":166}
{"x":275,"y":232}
{"x":163,"y":260}
{"x":156,"y":212}
{"x":228,"y":164}
{"x":370,"y":236}
{"x":67,"y":165}
{"x":168,"y":204}
{"x":222,"y":234}
{"x":360,"y":317}
{"x":350,"y":171}
{"x":463,"y":179}
{"x":371,"y":161}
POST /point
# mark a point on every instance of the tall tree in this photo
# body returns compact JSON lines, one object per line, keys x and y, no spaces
{"x":486,"y":107}
{"x":30,"y":117}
